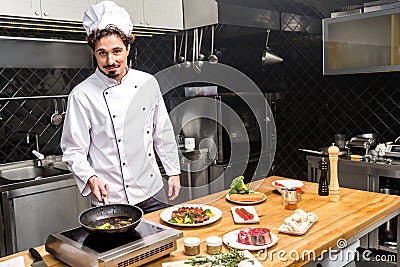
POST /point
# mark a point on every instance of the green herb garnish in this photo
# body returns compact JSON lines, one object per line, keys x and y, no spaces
{"x":230,"y":259}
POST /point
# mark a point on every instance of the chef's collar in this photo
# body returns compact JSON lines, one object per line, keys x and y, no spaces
{"x":107,"y":80}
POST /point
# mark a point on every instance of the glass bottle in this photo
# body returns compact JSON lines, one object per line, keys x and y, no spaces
{"x":323,"y":186}
{"x":290,"y":196}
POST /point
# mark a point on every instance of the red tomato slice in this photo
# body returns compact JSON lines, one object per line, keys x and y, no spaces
{"x":244,"y":214}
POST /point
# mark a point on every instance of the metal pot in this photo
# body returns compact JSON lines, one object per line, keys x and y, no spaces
{"x":89,"y":217}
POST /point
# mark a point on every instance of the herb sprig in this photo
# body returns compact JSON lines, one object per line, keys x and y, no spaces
{"x":230,"y":259}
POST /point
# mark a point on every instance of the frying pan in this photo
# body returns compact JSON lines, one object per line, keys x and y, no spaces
{"x":89,"y":217}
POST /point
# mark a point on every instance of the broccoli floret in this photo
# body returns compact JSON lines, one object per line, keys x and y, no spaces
{"x":209,"y":213}
{"x":187,"y":219}
{"x":105,"y":226}
{"x":238,"y":186}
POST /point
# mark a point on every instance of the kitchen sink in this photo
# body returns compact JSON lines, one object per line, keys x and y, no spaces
{"x":30,"y":172}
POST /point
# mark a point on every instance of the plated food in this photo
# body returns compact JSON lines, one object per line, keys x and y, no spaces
{"x":240,"y":193}
{"x":191,"y":215}
{"x":244,"y":214}
{"x":251,"y":198}
{"x":298,"y":223}
{"x":250,"y":238}
{"x":280,"y":184}
{"x":254,"y":236}
{"x":113,"y":222}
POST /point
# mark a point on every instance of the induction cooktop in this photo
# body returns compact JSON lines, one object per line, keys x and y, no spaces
{"x":148,"y":241}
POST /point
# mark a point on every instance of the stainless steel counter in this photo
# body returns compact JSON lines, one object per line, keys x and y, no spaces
{"x":368,"y":168}
{"x":31,"y":209}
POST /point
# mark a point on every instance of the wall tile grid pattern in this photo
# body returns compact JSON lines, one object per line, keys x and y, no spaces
{"x":309,"y":108}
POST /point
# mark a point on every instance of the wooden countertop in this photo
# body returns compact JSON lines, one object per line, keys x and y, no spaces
{"x":356,"y":212}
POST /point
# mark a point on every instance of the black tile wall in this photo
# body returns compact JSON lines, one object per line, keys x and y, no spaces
{"x":310,"y":107}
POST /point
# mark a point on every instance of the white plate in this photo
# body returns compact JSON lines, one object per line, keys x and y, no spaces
{"x":249,"y":209}
{"x":246,"y":202}
{"x":166,"y":214}
{"x":14,"y":262}
{"x":181,"y":263}
{"x":283,"y":230}
{"x":287,"y":184}
{"x":230,"y":239}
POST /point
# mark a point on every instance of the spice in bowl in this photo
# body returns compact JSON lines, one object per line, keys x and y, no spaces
{"x":191,"y":246}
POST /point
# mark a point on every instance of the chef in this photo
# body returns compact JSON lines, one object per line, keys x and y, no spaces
{"x":115,"y":120}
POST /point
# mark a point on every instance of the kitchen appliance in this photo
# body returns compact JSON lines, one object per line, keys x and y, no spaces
{"x":361,"y":144}
{"x":230,"y":130}
{"x":149,"y":241}
{"x":393,"y":150}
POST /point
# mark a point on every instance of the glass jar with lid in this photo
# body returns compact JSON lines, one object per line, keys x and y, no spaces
{"x":214,"y":245}
{"x":289,"y":198}
{"x":191,"y":246}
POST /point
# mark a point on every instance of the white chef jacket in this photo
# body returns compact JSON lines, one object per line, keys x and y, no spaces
{"x":110,"y":131}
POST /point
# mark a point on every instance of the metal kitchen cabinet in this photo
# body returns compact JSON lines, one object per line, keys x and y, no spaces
{"x":365,"y":42}
{"x":166,"y":14}
{"x":31,"y":213}
{"x":71,"y":10}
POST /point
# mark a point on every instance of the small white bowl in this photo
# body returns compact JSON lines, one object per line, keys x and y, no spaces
{"x":287,"y":184}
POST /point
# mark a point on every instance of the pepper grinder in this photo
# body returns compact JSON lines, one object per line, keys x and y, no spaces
{"x":323,"y":186}
{"x":334,"y":193}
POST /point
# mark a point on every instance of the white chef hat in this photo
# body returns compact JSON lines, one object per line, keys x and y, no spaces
{"x":107,"y":12}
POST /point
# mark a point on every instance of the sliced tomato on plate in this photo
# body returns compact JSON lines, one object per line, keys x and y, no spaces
{"x":244,"y":214}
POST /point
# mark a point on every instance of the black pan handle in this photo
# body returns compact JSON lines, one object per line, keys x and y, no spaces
{"x":35,"y":254}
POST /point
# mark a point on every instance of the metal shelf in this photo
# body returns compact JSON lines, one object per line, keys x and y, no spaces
{"x":22,"y":98}
{"x":388,"y":249}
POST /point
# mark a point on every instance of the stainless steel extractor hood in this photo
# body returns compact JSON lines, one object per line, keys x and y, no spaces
{"x":250,"y":15}
{"x":13,"y":26}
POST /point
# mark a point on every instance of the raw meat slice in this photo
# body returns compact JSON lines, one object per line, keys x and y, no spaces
{"x":244,"y":237}
{"x":254,"y":236}
{"x":260,"y":236}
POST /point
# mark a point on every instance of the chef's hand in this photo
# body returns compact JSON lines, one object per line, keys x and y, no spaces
{"x":174,"y":186}
{"x":99,"y":189}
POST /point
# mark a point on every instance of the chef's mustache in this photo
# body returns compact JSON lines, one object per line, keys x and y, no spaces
{"x":111,"y":66}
